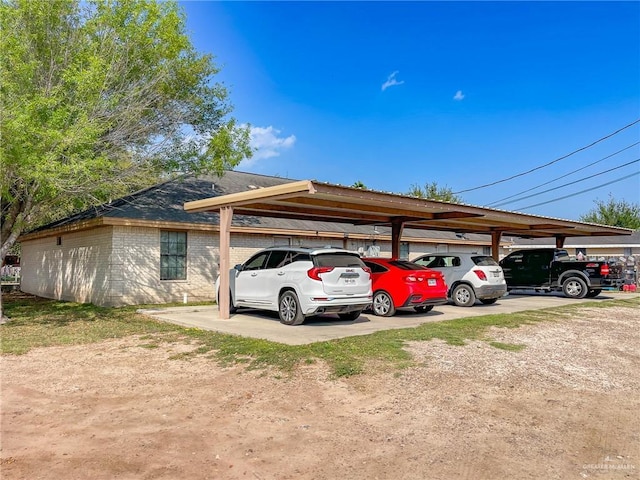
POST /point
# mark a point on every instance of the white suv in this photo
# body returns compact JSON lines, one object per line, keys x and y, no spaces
{"x":298,"y":282}
{"x":470,"y":276}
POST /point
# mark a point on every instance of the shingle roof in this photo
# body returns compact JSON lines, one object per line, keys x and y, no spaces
{"x":165,"y":202}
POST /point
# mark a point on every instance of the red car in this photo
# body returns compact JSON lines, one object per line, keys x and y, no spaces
{"x":403,"y":284}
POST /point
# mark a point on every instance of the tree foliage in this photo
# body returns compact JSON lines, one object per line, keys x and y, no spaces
{"x":617,"y":213}
{"x":100,"y":98}
{"x":431,"y":191}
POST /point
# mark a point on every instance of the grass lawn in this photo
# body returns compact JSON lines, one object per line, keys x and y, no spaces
{"x":37,"y":322}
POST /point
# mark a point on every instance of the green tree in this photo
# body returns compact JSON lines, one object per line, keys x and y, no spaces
{"x":359,"y":184}
{"x":100,"y":98}
{"x":431,"y":191}
{"x":617,"y":213}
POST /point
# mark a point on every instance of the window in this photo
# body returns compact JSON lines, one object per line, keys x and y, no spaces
{"x":277,"y":259}
{"x":173,"y":255}
{"x":404,"y":250}
{"x":375,"y":268}
{"x":257,"y":262}
{"x":58,"y":241}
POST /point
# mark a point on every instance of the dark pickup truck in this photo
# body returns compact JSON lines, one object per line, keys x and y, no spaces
{"x":547,"y":269}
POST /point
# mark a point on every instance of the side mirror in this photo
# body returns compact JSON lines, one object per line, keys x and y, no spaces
{"x":238,"y":267}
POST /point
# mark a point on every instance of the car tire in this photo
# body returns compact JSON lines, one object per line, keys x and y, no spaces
{"x":575,"y":287}
{"x":383,"y":304}
{"x":289,"y":309}
{"x":593,"y":293}
{"x":488,"y":301}
{"x":463,"y":295}
{"x":423,"y":308}
{"x":349,"y":315}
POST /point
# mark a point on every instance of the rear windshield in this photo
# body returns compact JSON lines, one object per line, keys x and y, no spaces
{"x":484,"y":261}
{"x":404,"y":265}
{"x":337,"y":259}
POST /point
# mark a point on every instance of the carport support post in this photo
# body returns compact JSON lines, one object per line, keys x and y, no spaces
{"x":396,"y":234}
{"x":495,"y":245}
{"x":226,"y":214}
{"x":560,"y":241}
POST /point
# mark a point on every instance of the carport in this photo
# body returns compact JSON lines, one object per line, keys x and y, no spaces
{"x":312,"y":200}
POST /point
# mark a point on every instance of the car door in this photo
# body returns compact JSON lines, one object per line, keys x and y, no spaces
{"x":272,"y":276}
{"x":537,"y":267}
{"x":514,"y":268}
{"x":249,"y":281}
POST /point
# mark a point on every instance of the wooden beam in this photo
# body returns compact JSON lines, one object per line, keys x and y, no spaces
{"x":396,"y":234}
{"x":560,"y":241}
{"x":495,"y":245}
{"x":226,"y":215}
{"x":304,"y":187}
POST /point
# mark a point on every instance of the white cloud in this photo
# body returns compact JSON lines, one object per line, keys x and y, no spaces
{"x":459,"y":96}
{"x":268,"y":143}
{"x":391,"y":81}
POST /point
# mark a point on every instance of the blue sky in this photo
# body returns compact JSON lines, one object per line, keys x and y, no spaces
{"x":463,"y":94}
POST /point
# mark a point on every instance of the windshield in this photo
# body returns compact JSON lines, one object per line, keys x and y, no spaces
{"x":337,"y":259}
{"x":404,"y":265}
{"x":484,"y":261}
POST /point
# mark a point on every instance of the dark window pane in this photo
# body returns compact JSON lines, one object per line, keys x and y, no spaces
{"x":173,"y":255}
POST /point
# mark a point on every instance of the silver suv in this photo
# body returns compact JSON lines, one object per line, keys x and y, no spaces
{"x":469,"y":276}
{"x":298,"y":282}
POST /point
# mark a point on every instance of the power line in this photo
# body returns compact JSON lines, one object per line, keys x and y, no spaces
{"x":560,"y":177}
{"x":581,"y":192}
{"x":550,"y":163}
{"x":570,"y":183}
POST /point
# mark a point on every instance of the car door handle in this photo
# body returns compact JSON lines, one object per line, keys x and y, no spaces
{"x":280,"y":274}
{"x":254,"y":274}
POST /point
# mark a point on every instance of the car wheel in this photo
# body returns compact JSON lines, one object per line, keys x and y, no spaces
{"x":575,"y":287}
{"x":464,"y":296}
{"x":349,"y":315}
{"x":289,"y":309}
{"x":383,"y":304}
{"x":423,"y":308}
{"x":593,"y":293}
{"x":488,"y":301}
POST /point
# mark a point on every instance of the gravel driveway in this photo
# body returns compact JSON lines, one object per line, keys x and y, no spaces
{"x":564,"y":407}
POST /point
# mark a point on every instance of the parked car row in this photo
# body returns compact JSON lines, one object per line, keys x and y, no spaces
{"x":298,"y":282}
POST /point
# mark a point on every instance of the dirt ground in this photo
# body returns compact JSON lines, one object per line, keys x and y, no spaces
{"x":564,"y":407}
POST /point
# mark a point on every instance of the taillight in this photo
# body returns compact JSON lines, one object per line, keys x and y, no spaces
{"x":315,"y":272}
{"x":604,"y":270}
{"x":480,"y":274}
{"x":367,"y":271}
{"x":412,"y":278}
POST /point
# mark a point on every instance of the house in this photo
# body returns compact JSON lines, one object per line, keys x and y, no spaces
{"x":144,"y":248}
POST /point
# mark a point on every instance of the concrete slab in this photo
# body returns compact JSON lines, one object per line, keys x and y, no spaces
{"x":266,"y":325}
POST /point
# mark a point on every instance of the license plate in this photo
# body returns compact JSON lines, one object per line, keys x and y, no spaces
{"x":350,"y":281}
{"x":496,"y":274}
{"x":432,"y":282}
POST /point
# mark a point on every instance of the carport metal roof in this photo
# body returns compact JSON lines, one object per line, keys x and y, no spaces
{"x":312,"y":200}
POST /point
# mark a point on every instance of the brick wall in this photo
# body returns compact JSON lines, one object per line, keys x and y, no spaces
{"x":115,"y":266}
{"x":75,"y":270}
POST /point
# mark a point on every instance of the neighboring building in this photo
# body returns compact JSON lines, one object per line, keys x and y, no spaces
{"x":144,"y":248}
{"x":590,"y":247}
